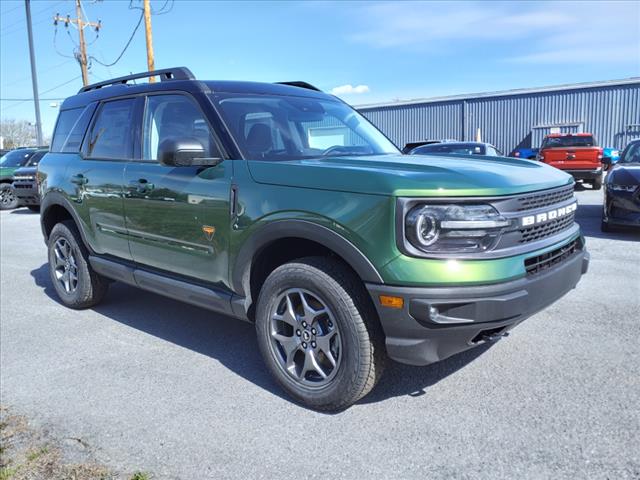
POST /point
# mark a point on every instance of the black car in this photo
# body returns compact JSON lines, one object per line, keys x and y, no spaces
{"x":622,"y":191}
{"x":459,"y":148}
{"x":25,"y":185}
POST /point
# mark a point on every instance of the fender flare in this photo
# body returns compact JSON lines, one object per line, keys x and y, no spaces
{"x":58,"y":199}
{"x":306,"y":230}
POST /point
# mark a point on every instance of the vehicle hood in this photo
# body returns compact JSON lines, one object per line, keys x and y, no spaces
{"x":26,"y":171}
{"x":625,"y":174}
{"x":7,"y":171}
{"x":412,"y":175}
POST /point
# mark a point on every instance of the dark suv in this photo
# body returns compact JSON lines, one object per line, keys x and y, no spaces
{"x":281,"y":205}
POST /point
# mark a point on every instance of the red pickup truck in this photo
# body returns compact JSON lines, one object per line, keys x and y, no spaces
{"x":577,"y":154}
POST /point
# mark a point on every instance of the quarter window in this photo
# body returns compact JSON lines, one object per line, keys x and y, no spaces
{"x":66,"y":120}
{"x":112,"y":132}
{"x":174,"y":116}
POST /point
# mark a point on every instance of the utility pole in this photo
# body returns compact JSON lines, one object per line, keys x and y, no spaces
{"x":34,"y":78}
{"x":147,"y":28}
{"x":81,"y":56}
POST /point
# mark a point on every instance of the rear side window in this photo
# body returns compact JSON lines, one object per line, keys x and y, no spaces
{"x":73,"y":143}
{"x":112,"y":132}
{"x":66,"y":120}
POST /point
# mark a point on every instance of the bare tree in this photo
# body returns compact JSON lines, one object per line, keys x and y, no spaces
{"x":17,"y":133}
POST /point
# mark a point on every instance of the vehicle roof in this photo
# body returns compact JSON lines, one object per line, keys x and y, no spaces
{"x":207,"y":86}
{"x":555,"y":135}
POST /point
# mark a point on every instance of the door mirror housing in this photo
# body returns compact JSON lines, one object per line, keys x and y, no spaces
{"x":184,"y":152}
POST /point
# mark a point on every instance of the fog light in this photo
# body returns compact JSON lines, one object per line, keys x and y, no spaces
{"x":433,"y":313}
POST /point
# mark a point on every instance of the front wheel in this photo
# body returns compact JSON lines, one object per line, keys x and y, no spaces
{"x":597,"y":183}
{"x":8,"y":199}
{"x":319,"y":333}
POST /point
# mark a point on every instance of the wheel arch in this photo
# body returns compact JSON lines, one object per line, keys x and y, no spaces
{"x":55,"y":208}
{"x":285,"y":240}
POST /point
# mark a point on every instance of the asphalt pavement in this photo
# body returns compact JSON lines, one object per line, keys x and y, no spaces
{"x":159,"y":386}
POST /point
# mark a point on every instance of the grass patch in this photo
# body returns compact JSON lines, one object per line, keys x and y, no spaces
{"x":140,"y":476}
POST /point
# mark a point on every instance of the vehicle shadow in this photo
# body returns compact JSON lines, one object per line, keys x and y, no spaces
{"x":233,"y":342}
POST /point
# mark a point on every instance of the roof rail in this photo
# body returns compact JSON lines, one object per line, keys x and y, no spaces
{"x":176,"y":73}
{"x":306,"y":85}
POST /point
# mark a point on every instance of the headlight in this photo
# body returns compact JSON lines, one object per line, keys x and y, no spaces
{"x":454,"y":228}
{"x":622,"y":188}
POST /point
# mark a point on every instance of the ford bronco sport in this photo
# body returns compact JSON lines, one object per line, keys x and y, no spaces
{"x":280,"y":205}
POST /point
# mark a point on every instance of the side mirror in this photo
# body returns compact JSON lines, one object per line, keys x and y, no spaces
{"x":184,"y":152}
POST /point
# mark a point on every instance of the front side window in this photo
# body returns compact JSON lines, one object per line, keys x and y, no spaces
{"x":112,"y":132}
{"x":174,"y":116}
{"x":274,"y":127}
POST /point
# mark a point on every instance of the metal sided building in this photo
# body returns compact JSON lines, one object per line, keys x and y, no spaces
{"x":517,"y":118}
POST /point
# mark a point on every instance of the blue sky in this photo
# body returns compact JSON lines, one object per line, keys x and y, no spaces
{"x":366,"y":52}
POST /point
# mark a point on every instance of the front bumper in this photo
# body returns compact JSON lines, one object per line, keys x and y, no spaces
{"x":622,"y":207}
{"x":586,"y":174}
{"x":27,"y":192}
{"x":437,"y":322}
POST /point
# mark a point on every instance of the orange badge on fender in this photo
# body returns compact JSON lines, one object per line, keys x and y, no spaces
{"x":209,"y":231}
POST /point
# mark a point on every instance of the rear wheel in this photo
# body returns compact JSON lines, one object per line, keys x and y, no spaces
{"x":8,"y":199}
{"x":75,"y":282}
{"x":319,"y":334}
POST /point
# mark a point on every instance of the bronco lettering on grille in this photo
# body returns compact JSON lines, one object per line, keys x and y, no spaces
{"x":548,"y":216}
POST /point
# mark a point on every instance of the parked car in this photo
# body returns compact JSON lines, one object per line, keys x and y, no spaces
{"x":528,"y":153}
{"x":460,"y":148}
{"x":622,"y":191}
{"x":341,"y":250}
{"x":576,"y":153}
{"x":411,"y":145}
{"x":25,"y":185}
{"x":9,"y":163}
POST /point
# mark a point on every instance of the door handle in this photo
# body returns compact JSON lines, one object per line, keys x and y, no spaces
{"x":142,"y":185}
{"x":79,"y":179}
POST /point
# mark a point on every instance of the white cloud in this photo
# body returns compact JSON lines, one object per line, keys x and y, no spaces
{"x":350,"y":89}
{"x":531,"y":32}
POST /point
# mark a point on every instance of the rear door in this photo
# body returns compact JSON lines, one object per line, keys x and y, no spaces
{"x":98,"y":176}
{"x":178,"y":218}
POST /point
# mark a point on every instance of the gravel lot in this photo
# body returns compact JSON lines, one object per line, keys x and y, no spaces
{"x":163,"y":387}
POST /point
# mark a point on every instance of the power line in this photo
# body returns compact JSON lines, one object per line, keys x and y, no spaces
{"x":125,"y":47}
{"x":20,"y":102}
{"x":30,"y":99}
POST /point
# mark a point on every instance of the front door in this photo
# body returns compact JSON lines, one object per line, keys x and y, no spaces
{"x":178,"y":218}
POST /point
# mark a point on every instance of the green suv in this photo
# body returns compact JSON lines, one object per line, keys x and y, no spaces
{"x":280,"y":205}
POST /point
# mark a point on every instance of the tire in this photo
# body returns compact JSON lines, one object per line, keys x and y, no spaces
{"x":356,"y":344}
{"x":69,"y":257}
{"x":597,"y":183}
{"x":8,"y":199}
{"x":34,"y":208}
{"x":605,"y":227}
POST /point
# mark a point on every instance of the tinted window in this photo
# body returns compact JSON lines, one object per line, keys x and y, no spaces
{"x":493,"y":152}
{"x":274,"y":127}
{"x":16,"y":158}
{"x":35,"y":159}
{"x":66,"y":120}
{"x":569,"y":141}
{"x":73,"y":143}
{"x":458,"y":148}
{"x":112,"y":132}
{"x":631,"y":153}
{"x":174,"y":116}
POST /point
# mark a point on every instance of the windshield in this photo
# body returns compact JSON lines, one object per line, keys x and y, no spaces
{"x":35,"y":159}
{"x":270,"y":127}
{"x":569,"y":141}
{"x":16,"y":158}
{"x":459,"y":148}
{"x":631,"y":154}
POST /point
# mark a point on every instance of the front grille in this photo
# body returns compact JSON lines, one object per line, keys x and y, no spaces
{"x":543,"y":199}
{"x":537,"y":232}
{"x":535,"y":265}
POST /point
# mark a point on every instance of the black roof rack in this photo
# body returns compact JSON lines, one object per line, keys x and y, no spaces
{"x":176,"y":73}
{"x":306,"y":85}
